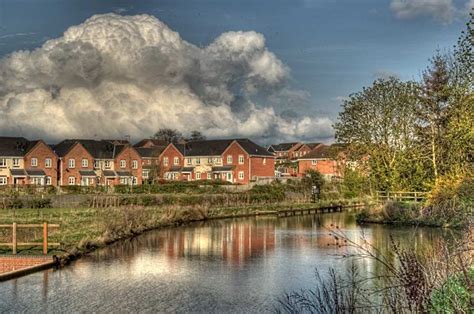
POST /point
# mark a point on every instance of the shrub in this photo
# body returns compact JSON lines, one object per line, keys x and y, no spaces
{"x":454,"y":295}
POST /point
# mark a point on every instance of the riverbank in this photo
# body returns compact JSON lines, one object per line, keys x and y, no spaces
{"x":86,"y":229}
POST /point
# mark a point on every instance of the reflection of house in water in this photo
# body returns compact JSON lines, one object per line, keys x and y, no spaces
{"x":233,"y":242}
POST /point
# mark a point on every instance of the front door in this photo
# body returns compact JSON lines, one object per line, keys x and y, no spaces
{"x":229,"y":176}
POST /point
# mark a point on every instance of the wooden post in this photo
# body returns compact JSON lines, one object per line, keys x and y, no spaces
{"x":14,"y":239}
{"x":45,"y":238}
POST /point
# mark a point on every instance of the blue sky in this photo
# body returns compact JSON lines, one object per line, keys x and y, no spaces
{"x":333,"y":48}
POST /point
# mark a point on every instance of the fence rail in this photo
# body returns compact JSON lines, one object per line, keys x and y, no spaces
{"x":414,"y":196}
{"x":14,"y":244}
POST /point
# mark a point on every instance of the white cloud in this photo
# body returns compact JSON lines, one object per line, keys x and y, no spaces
{"x":469,"y":6}
{"x":116,"y":75}
{"x":441,"y":10}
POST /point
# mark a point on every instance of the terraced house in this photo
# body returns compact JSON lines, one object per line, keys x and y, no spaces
{"x":150,"y":151}
{"x":323,"y":158}
{"x":233,"y":160}
{"x":98,"y":162}
{"x":24,"y":162}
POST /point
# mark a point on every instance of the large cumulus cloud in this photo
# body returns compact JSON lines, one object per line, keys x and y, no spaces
{"x":115,"y":75}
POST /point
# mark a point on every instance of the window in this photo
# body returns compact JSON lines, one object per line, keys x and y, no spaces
{"x":134,"y":180}
{"x":209,"y":160}
{"x":198,"y":176}
{"x":72,"y":163}
{"x":48,"y":180}
{"x":314,"y":162}
{"x":123,"y":163}
{"x":189,"y":161}
{"x":34,"y":162}
{"x":16,"y":162}
{"x":72,"y":180}
{"x":107,"y":164}
{"x":241,"y":175}
{"x":3,"y":162}
{"x":241,"y":159}
{"x":123,"y":180}
{"x":229,"y":159}
{"x":218,"y":161}
{"x":264,"y":161}
{"x":176,"y":161}
{"x":37,"y":181}
{"x":96,"y":164}
{"x":198,"y":161}
{"x":145,"y":174}
{"x":134,"y":164}
{"x":3,"y":180}
{"x":165,"y":161}
{"x":85,"y":163}
{"x":209,"y":176}
{"x":48,"y":163}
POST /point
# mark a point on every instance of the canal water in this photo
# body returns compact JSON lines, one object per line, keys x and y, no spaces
{"x":234,"y":265}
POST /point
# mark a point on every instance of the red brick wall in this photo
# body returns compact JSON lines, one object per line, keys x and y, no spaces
{"x":235,"y":150}
{"x":41,"y":151}
{"x":325,"y":167}
{"x":170,"y":152}
{"x":129,"y":154}
{"x":261,"y":169}
{"x":78,"y":152}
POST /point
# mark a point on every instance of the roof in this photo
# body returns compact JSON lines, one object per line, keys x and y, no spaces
{"x":222,"y":169}
{"x":109,"y":173}
{"x":187,"y":169}
{"x":149,"y":152}
{"x":312,"y":145}
{"x":322,"y":151}
{"x":35,"y":172}
{"x":15,"y":146}
{"x":99,"y":149}
{"x":87,"y":173}
{"x":124,"y":173}
{"x":218,"y":147}
{"x":153,"y":141}
{"x":18,"y":172}
{"x":282,"y":147}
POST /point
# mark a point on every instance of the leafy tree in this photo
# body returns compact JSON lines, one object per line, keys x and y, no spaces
{"x":196,"y":136}
{"x":168,"y":135}
{"x":463,"y":66}
{"x":379,"y":123}
{"x":314,"y":178}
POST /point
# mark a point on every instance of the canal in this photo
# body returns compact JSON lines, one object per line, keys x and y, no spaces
{"x":234,"y":265}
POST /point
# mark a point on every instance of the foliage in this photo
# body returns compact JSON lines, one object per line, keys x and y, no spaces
{"x":168,"y":135}
{"x":354,"y":184}
{"x":454,"y":295}
{"x":313,"y":178}
{"x":196,"y":136}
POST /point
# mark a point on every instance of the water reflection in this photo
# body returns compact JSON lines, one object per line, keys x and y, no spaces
{"x":215,"y":266}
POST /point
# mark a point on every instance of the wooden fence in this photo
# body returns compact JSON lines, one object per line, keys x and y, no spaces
{"x":14,"y":244}
{"x":383,"y":196}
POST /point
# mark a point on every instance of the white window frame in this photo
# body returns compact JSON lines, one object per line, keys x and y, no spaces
{"x":165,"y":161}
{"x":176,"y":161}
{"x":189,"y":161}
{"x":241,"y":159}
{"x":3,"y":180}
{"x":48,"y":162}
{"x":198,"y":161}
{"x":107,"y":164}
{"x":241,"y":175}
{"x":134,"y":164}
{"x":314,"y":162}
{"x":198,"y":176}
{"x":96,"y":164}
{"x":134,"y":180}
{"x":209,"y":160}
{"x":16,"y":162}
{"x":123,"y":163}
{"x":84,"y":163}
{"x":264,"y":161}
{"x":34,"y":162}
{"x":47,"y":180}
{"x":3,"y":162}
{"x":145,"y":173}
{"x":229,"y":159}
{"x":71,"y":163}
{"x":209,"y":176}
{"x":71,"y":181}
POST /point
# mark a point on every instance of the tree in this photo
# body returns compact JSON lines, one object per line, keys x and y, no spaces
{"x":196,"y":136}
{"x":168,"y":135}
{"x":379,"y":123}
{"x":464,"y":56}
{"x":314,"y":178}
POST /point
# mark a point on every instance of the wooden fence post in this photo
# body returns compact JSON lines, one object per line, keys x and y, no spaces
{"x":14,"y":239}
{"x":45,"y":238}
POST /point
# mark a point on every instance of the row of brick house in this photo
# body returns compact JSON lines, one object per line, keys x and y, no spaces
{"x":295,"y":159}
{"x":116,"y":162}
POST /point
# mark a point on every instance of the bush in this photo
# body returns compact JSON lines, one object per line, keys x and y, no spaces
{"x":454,"y":295}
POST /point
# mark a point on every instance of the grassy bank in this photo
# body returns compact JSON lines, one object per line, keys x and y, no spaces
{"x":84,"y":229}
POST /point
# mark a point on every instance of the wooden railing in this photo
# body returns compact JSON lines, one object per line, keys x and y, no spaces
{"x":14,"y":244}
{"x":401,"y":196}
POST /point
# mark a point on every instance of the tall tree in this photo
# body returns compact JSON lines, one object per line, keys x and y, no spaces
{"x":196,"y":136}
{"x":378,"y":122}
{"x":168,"y":135}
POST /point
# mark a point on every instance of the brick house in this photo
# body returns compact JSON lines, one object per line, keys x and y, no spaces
{"x":103,"y":162}
{"x":322,"y":158}
{"x":232,"y":160}
{"x":24,"y":162}
{"x":150,"y":157}
{"x":150,"y":142}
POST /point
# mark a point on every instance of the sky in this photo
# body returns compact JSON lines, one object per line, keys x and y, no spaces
{"x":305,"y":58}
